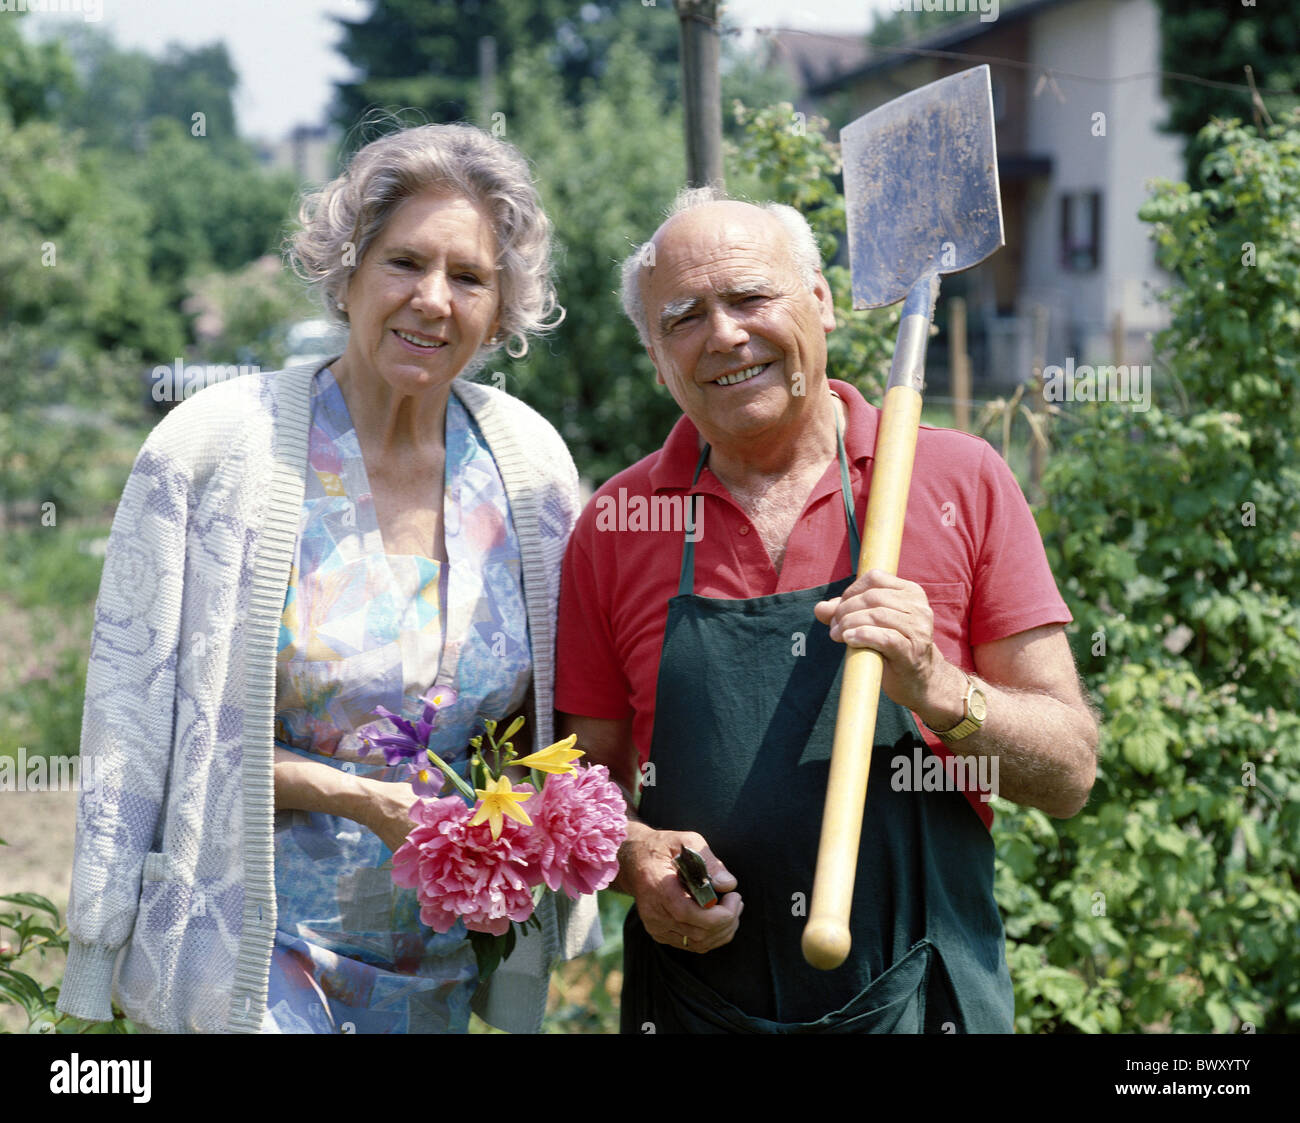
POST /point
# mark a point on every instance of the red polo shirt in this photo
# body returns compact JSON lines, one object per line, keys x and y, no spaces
{"x":969,"y":540}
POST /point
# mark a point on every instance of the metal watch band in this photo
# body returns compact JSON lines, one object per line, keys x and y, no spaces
{"x":969,"y":723}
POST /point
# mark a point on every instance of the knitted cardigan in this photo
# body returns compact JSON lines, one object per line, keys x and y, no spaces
{"x":172,"y":908}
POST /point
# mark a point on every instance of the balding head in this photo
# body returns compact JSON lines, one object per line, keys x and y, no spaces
{"x":735,"y":326}
{"x":700,"y":209}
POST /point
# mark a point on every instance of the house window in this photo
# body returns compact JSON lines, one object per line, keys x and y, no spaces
{"x":1080,"y":231}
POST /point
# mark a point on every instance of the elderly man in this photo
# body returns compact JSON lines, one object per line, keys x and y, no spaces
{"x":699,"y":659}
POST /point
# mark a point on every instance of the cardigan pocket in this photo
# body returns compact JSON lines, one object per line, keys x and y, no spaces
{"x":172,"y":977}
{"x":158,"y":866}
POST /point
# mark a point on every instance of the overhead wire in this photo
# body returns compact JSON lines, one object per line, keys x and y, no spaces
{"x":1051,"y":73}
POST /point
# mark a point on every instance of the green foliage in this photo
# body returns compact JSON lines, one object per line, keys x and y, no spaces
{"x":74,"y":256}
{"x":121,"y":93}
{"x":252,"y":305}
{"x":1217,"y":42}
{"x":591,"y":377}
{"x":35,"y":78}
{"x":209,"y":206}
{"x":412,"y":54}
{"x":48,"y":582}
{"x":109,"y":207}
{"x":1171,"y":902}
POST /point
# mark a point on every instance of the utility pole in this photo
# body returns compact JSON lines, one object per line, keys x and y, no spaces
{"x":959,"y":363}
{"x":701,"y":91}
{"x":487,"y":80}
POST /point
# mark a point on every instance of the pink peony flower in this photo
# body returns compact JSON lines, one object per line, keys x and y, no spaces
{"x":461,"y":872}
{"x":579,"y":822}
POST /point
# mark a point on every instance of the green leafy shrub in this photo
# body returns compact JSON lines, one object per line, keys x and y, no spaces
{"x":1171,"y":901}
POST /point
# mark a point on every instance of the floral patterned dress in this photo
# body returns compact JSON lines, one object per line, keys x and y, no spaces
{"x":361,"y":629}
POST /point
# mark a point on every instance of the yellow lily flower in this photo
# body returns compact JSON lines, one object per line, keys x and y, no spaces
{"x":554,"y":758}
{"x":500,"y":798}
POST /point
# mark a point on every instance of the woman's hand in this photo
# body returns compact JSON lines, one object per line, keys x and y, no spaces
{"x":310,"y":785}
{"x":388,"y":811}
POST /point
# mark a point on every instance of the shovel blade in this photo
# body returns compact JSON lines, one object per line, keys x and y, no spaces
{"x":921,"y":187}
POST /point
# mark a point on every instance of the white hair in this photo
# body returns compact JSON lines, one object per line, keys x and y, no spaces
{"x":804,"y":253}
{"x":349,"y":213}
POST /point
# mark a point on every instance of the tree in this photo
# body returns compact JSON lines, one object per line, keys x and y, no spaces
{"x":607,"y":168}
{"x":423,"y":56}
{"x":210,"y":207}
{"x":104,"y":221}
{"x":36,"y":79}
{"x":1217,"y":42}
{"x":1172,"y":901}
{"x":120,"y":93}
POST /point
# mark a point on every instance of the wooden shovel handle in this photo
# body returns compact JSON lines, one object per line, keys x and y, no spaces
{"x":826,"y":938}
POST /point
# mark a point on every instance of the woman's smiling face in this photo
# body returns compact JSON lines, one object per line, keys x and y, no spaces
{"x":426,"y":295}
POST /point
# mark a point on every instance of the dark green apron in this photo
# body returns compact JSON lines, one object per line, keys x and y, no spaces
{"x":744,"y":718}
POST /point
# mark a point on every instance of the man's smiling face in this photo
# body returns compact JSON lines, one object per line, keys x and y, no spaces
{"x":735,"y":333}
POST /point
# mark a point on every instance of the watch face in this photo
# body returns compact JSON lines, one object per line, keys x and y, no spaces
{"x":979,"y":707}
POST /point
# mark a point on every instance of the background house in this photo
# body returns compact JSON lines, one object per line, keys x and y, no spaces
{"x":1077,"y":104}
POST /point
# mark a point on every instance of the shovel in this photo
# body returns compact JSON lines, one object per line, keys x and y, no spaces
{"x":921,"y":190}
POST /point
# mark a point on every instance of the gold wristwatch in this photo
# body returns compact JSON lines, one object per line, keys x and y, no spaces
{"x":976,"y":710}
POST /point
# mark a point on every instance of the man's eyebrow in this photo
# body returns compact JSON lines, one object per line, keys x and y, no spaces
{"x":738,"y":290}
{"x":675,"y":308}
{"x":747,"y":286}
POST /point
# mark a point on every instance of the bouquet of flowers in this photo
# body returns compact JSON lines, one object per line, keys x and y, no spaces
{"x":485,"y":853}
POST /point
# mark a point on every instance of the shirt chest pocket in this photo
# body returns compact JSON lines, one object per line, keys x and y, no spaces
{"x":950,"y":603}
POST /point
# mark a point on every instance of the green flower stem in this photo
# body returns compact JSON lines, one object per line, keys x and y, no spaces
{"x":450,"y":773}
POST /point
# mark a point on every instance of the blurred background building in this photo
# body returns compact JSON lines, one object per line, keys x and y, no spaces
{"x":1078,"y":104}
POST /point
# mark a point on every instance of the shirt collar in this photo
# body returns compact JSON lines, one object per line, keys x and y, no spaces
{"x":675,"y":466}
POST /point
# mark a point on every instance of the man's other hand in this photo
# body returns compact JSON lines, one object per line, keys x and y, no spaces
{"x":668,"y":912}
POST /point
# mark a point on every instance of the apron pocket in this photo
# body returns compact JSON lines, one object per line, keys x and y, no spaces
{"x":662,"y":996}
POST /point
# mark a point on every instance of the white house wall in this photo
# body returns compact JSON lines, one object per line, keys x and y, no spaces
{"x":1141,"y":152}
{"x":1099,"y":39}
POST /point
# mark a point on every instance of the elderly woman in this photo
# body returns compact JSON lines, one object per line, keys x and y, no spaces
{"x":293,"y":551}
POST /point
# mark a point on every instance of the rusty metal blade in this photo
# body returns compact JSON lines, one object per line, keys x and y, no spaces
{"x":921,"y":187}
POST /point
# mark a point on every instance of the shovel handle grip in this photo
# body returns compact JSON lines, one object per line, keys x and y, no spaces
{"x":826,"y":938}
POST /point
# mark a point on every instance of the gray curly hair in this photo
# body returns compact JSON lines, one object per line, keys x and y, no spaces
{"x":340,"y":221}
{"x":803,"y":248}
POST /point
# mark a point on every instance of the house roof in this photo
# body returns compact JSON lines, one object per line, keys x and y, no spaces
{"x":816,"y":57}
{"x":882,"y":59}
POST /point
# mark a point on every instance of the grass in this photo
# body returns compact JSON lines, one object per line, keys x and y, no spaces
{"x":49,"y":577}
{"x":48,"y":584}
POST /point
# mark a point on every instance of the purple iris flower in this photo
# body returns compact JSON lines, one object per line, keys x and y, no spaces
{"x":411,"y":738}
{"x":431,"y":786}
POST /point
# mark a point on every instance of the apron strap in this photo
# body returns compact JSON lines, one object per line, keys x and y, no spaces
{"x":855,"y":541}
{"x":686,"y":579}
